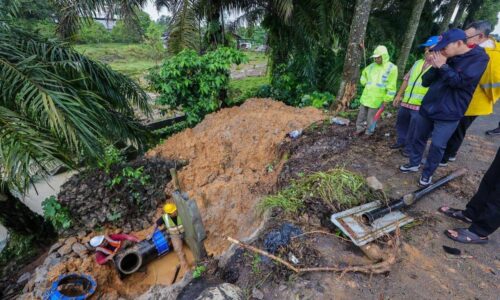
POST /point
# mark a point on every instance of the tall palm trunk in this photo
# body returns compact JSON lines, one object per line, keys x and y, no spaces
{"x":350,"y":74}
{"x":450,"y":8}
{"x":411,"y":30}
{"x":457,"y":23}
{"x":18,"y":218}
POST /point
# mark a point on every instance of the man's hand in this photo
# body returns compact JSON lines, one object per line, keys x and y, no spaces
{"x":437,"y":59}
{"x":396,"y":101}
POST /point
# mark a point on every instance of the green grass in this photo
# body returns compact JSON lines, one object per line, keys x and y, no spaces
{"x":249,"y":83}
{"x":338,"y":188}
{"x":242,"y":89}
{"x":133,"y":60}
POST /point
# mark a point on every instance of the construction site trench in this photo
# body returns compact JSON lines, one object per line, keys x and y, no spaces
{"x":236,"y":157}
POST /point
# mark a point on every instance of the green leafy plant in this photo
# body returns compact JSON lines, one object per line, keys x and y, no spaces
{"x":196,"y":83}
{"x":198,"y":271}
{"x":317,"y":99}
{"x":112,"y":156}
{"x":57,"y":214}
{"x":256,"y":260}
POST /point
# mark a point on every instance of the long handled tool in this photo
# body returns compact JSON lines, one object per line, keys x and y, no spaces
{"x":365,"y":223}
{"x":376,"y":117}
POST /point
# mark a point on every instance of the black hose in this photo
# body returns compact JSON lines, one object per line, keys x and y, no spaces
{"x":409,"y":199}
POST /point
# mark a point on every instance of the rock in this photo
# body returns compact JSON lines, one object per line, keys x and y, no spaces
{"x":223,"y":291}
{"x":79,"y":249}
{"x":281,"y":288}
{"x":52,"y":260}
{"x":55,"y":247}
{"x":82,"y":234}
{"x":258,"y":294}
{"x":374,"y":184}
{"x":66,"y":248}
{"x":23,"y":279}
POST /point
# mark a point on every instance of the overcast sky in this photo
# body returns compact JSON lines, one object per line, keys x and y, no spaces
{"x":154,"y":14}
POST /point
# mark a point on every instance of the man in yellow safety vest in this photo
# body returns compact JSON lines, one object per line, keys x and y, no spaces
{"x":379,"y":80}
{"x":175,"y":229}
{"x":409,"y":99}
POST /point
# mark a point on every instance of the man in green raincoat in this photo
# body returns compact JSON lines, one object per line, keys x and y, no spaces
{"x":379,"y":80}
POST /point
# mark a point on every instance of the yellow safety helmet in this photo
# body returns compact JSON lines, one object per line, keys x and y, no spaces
{"x":169,"y":208}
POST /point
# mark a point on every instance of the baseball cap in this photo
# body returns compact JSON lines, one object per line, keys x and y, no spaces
{"x":432,"y":41}
{"x":449,"y":37}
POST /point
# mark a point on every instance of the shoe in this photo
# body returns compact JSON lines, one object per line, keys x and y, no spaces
{"x":408,"y":168}
{"x":452,"y":158}
{"x":495,"y":131}
{"x":425,"y":181}
{"x":443,"y":164}
{"x":396,"y":146}
{"x":404,"y":153}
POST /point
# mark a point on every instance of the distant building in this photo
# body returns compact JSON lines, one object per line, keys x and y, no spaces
{"x":106,"y":20}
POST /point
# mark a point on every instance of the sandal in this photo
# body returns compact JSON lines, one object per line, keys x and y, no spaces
{"x":466,"y":236}
{"x":454,"y":213}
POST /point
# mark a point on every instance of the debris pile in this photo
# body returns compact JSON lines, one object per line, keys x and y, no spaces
{"x":233,"y":162}
{"x":94,"y":200}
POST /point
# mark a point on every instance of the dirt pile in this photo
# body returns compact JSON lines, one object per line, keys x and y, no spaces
{"x":130,"y":203}
{"x":233,"y":161}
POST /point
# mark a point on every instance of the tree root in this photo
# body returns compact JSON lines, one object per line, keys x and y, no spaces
{"x":376,"y":268}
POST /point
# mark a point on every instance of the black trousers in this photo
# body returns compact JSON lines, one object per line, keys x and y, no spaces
{"x":457,"y":138}
{"x":484,"y":208}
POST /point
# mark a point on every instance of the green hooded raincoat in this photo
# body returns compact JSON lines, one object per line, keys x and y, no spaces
{"x":379,"y":80}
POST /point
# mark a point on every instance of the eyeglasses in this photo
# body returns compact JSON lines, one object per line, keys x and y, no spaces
{"x":469,"y":37}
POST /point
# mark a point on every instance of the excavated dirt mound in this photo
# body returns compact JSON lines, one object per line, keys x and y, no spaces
{"x":233,"y":162}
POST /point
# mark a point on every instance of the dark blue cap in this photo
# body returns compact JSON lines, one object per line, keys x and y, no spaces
{"x":432,"y":41}
{"x":449,"y":37}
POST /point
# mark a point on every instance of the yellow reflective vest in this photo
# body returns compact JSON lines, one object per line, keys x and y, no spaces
{"x":171,"y":226}
{"x":415,"y":92}
{"x":379,"y":81}
{"x":488,"y":89}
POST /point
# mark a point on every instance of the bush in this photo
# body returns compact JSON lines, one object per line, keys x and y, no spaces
{"x":93,"y":32}
{"x":196,"y":83}
{"x":54,"y":212}
{"x":317,"y":99}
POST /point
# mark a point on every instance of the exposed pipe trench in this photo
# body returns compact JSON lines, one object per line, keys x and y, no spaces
{"x":132,"y":259}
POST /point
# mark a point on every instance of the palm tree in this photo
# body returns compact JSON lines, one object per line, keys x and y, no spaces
{"x":347,"y":89}
{"x":56,"y":105}
{"x":411,"y":30}
{"x":448,"y":14}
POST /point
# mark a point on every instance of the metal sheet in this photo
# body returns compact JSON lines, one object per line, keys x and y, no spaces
{"x":351,"y":224}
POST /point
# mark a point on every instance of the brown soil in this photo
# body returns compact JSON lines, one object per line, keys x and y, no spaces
{"x":422,"y":269}
{"x":233,"y":160}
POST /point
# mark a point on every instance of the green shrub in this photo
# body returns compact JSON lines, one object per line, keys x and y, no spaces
{"x":196,"y":83}
{"x":317,"y":99}
{"x":112,"y":156}
{"x":54,"y":212}
{"x":19,"y":249}
{"x":93,"y":32}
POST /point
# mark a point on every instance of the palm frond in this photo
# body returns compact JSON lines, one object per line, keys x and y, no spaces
{"x":183,"y":30}
{"x":69,"y":103}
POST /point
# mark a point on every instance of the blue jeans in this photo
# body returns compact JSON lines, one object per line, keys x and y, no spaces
{"x":441,"y":132}
{"x":405,"y":127}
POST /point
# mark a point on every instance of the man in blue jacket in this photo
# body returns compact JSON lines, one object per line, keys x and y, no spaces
{"x":455,"y":73}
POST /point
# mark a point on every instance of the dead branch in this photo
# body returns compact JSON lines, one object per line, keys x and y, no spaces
{"x":377,"y":268}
